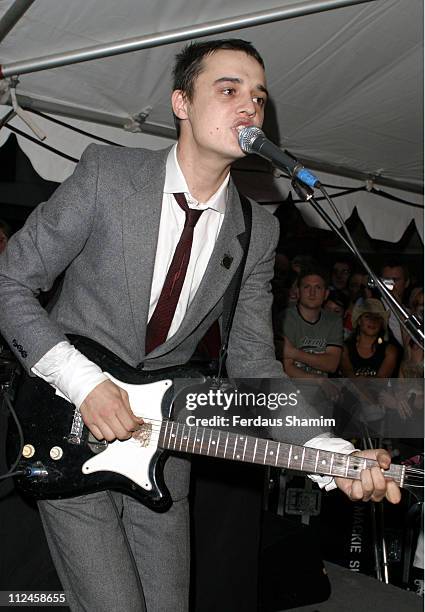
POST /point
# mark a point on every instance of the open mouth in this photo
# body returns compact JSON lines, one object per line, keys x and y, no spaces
{"x":240,"y":125}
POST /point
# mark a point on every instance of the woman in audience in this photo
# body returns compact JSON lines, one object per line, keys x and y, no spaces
{"x":367,"y":351}
{"x":367,"y":354}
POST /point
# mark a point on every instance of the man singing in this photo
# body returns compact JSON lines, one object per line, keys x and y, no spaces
{"x":114,"y":226}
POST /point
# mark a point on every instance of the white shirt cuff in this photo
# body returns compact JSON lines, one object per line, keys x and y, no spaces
{"x":69,"y":372}
{"x":335,"y":445}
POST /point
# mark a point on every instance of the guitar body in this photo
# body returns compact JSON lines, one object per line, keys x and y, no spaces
{"x":61,"y":457}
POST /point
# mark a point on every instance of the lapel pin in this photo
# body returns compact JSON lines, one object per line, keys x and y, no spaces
{"x":226,"y":262}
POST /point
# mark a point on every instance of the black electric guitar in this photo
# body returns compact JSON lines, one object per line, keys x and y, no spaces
{"x":60,"y":458}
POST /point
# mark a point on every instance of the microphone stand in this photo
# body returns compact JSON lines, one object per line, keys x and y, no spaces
{"x":409,"y":321}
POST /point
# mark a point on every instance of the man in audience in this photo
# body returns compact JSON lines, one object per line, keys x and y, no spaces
{"x":312,"y":337}
{"x":340,"y":274}
{"x":399,"y":275}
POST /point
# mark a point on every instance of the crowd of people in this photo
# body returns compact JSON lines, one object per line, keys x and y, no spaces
{"x":329,"y":322}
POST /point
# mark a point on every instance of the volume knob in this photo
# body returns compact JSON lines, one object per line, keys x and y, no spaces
{"x":56,"y":453}
{"x":28,"y":451}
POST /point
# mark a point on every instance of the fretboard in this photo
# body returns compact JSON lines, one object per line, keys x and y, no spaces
{"x":238,"y":447}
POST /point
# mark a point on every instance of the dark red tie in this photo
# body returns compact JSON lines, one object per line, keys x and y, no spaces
{"x":160,"y":321}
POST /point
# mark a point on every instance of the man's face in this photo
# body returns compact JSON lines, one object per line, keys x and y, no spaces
{"x":230,"y":92}
{"x":340,"y":274}
{"x":312,"y":292}
{"x":396,"y":273}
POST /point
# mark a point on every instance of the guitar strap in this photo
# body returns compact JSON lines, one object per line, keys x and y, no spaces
{"x":231,"y":296}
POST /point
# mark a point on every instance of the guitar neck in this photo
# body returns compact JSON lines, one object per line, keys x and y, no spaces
{"x":183,"y":438}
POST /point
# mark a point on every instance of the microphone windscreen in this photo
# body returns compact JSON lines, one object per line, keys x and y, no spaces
{"x":247,"y":137}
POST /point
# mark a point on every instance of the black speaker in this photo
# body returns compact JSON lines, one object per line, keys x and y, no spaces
{"x":292,"y":573}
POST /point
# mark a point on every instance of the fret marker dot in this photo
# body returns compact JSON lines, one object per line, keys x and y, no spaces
{"x":295,"y":457}
{"x":271,"y":453}
{"x":173,"y":435}
{"x":213,"y":442}
{"x":198,"y":439}
{"x":323,"y":461}
{"x":238,"y":456}
{"x":184,"y":437}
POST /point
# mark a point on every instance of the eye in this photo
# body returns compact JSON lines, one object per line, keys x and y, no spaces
{"x":228,"y":91}
{"x":259,"y":100}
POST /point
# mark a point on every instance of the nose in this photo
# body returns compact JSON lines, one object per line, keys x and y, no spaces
{"x":247,"y":106}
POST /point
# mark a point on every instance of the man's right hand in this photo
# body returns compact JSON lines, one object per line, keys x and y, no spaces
{"x":107,"y":413}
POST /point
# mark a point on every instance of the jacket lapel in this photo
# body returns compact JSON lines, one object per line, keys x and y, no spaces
{"x":141,"y":214}
{"x":217,"y":275}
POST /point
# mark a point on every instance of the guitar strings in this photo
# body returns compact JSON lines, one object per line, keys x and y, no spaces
{"x":189,"y":442}
{"x":411,"y":473}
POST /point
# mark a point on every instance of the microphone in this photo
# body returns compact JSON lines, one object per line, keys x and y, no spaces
{"x":253,"y":140}
{"x":388,"y":282}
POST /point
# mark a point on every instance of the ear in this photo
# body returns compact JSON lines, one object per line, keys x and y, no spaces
{"x":179,"y":103}
{"x":326,"y":295}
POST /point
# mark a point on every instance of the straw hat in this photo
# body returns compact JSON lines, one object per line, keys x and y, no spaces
{"x":370,"y":306}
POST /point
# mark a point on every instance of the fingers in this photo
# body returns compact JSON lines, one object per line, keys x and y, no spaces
{"x":393,"y":492}
{"x":372,"y":484}
{"x":104,"y":432}
{"x":356,"y":491}
{"x":374,"y":487}
{"x":383,"y":458}
{"x":96,"y":432}
{"x":106,"y":411}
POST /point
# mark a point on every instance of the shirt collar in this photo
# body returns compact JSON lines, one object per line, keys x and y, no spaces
{"x":176,"y":183}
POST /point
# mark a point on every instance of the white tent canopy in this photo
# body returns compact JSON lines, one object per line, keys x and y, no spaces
{"x":345,"y":84}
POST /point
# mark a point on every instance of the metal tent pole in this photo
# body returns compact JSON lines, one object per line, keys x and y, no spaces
{"x":12,"y":16}
{"x":172,"y":36}
{"x":92,"y":116}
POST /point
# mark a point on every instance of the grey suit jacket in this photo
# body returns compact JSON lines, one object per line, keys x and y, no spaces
{"x":101,"y":226}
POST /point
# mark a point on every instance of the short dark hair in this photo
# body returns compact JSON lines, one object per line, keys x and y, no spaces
{"x":189,"y":63}
{"x":339,"y":298}
{"x":345,"y":259}
{"x":313,"y":270}
{"x":396,"y":263}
